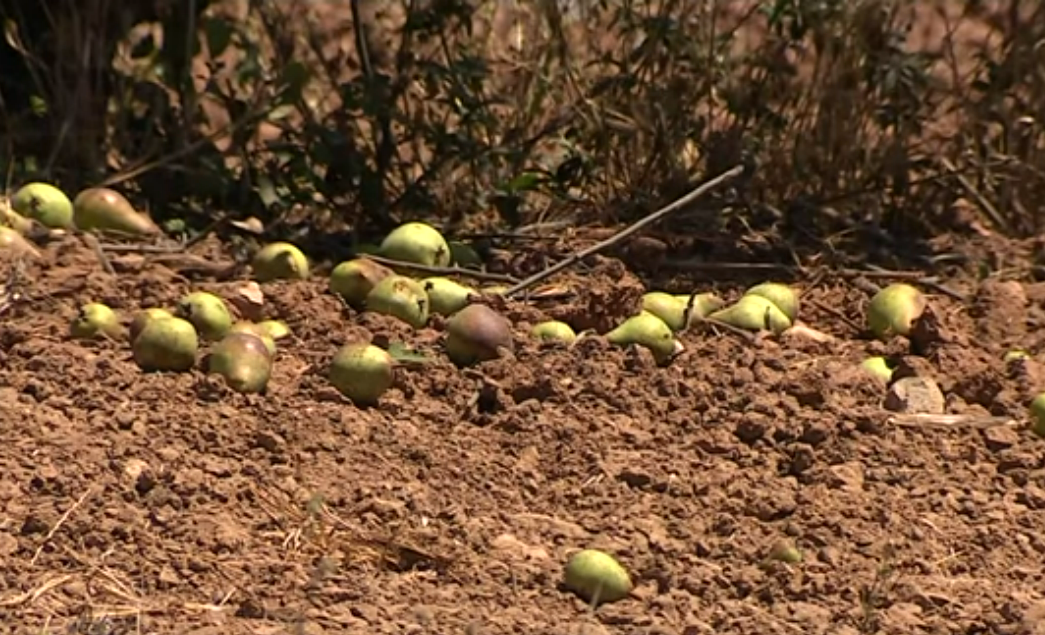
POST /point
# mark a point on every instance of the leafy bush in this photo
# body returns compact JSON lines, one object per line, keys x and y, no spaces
{"x":857,"y":118}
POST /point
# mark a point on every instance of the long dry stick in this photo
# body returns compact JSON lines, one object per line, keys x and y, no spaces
{"x":706,"y":187}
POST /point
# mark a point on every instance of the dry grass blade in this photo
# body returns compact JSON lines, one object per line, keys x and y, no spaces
{"x":974,"y":422}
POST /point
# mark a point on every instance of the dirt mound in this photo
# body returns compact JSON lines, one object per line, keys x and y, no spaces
{"x":162,"y":503}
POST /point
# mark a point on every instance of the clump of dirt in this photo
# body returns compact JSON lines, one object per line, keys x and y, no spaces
{"x":164,"y":503}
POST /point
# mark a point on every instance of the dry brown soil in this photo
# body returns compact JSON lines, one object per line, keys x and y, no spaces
{"x":161,"y":503}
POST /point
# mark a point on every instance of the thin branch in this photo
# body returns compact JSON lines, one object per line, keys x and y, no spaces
{"x":443,"y":271}
{"x":627,"y":232}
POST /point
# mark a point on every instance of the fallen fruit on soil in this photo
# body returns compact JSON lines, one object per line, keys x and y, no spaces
{"x":14,"y":244}
{"x":785,"y":551}
{"x":257,"y":331}
{"x":879,"y":368}
{"x":554,"y":330}
{"x":105,"y":209}
{"x":279,"y":261}
{"x":1012,"y":356}
{"x":354,"y":279}
{"x":754,"y":313}
{"x":244,"y":360}
{"x":648,"y":330}
{"x":143,"y":316}
{"x":668,"y":308}
{"x":96,"y":320}
{"x":497,"y":289}
{"x":1037,"y":411}
{"x":362,"y":372}
{"x":276,"y":329}
{"x":446,"y":296}
{"x":207,"y":312}
{"x":166,"y":344}
{"x":476,"y":334}
{"x":894,"y":310}
{"x":783,"y":296}
{"x":596,"y":577}
{"x":43,"y":203}
{"x":418,"y":243}
{"x":400,"y":297}
{"x":14,"y":220}
{"x":463,"y":254}
{"x":704,"y":304}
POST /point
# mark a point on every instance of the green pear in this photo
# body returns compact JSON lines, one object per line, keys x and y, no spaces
{"x":445,"y":296}
{"x":257,"y":331}
{"x":879,"y":368}
{"x":279,"y":261}
{"x":754,"y":313}
{"x":418,"y":243}
{"x":649,"y":331}
{"x":362,"y":372}
{"x":785,"y":551}
{"x":276,"y":329}
{"x":704,"y":304}
{"x":476,"y":334}
{"x":14,"y":244}
{"x":143,"y":316}
{"x":1037,"y":410}
{"x":354,"y":279}
{"x":783,"y":296}
{"x":14,"y":220}
{"x":400,"y":297}
{"x":894,"y":310}
{"x":244,"y":360}
{"x":207,"y":312}
{"x":553,"y":330}
{"x":166,"y":344}
{"x":596,"y":577}
{"x":668,"y":308}
{"x":96,"y":320}
{"x":105,"y":209}
{"x":45,"y":204}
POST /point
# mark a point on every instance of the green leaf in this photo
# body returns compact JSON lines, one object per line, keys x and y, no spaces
{"x":219,"y":35}
{"x":404,"y":354}
{"x":525,"y":182}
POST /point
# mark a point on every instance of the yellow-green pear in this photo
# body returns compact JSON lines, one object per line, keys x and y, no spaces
{"x":362,"y":372}
{"x":703,"y":305}
{"x":596,"y":577}
{"x":166,"y":344}
{"x":894,"y":310}
{"x":257,"y":331}
{"x":668,"y":308}
{"x":106,"y":209}
{"x":418,"y":243}
{"x":207,"y":312}
{"x":553,"y":330}
{"x":143,"y":316}
{"x":754,"y":313}
{"x":14,"y":244}
{"x":649,"y":331}
{"x":44,"y":203}
{"x":784,"y":297}
{"x":446,"y":296}
{"x":279,"y":261}
{"x":95,"y":319}
{"x":354,"y":279}
{"x":400,"y":297}
{"x":244,"y":360}
{"x":276,"y":329}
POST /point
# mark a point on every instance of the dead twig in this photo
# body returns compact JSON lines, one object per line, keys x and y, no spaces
{"x":628,"y":231}
{"x":443,"y":271}
{"x":974,"y":422}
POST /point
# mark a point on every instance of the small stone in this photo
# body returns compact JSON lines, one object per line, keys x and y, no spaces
{"x":915,"y":395}
{"x":846,"y":476}
{"x":1000,"y":438}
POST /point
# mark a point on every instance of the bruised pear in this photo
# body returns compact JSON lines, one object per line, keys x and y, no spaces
{"x":649,"y":331}
{"x":476,"y":334}
{"x":668,"y":308}
{"x":894,"y":309}
{"x":754,"y":313}
{"x":14,"y":244}
{"x":445,"y":296}
{"x":244,"y":360}
{"x":108,"y":210}
{"x":207,"y":312}
{"x":142,"y":317}
{"x":362,"y":372}
{"x":96,"y":320}
{"x":596,"y":577}
{"x":354,"y":279}
{"x":553,"y":331}
{"x":276,"y":329}
{"x":702,"y":305}
{"x":166,"y":344}
{"x":45,"y":204}
{"x":400,"y":297}
{"x":783,"y":296}
{"x":279,"y":261}
{"x":257,"y":331}
{"x":418,"y":243}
